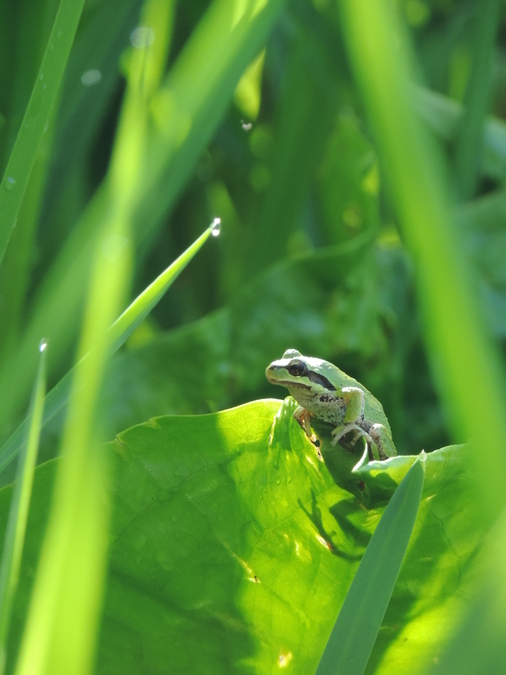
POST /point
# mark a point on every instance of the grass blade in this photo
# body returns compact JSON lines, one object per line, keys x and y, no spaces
{"x":120,"y":331}
{"x":36,"y":118}
{"x":470,"y":144}
{"x":18,"y":513}
{"x":444,"y":117}
{"x":62,"y":621}
{"x":359,"y":620}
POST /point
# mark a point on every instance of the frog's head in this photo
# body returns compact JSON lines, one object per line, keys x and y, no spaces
{"x":297,"y":372}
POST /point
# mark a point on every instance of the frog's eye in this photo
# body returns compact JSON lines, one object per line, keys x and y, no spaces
{"x":297,"y":368}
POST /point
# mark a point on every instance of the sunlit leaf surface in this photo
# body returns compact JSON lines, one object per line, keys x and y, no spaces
{"x":233,"y":546}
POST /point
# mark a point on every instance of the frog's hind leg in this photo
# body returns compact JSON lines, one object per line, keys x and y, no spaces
{"x":381,"y":438}
{"x":355,"y":404}
{"x":343,"y":429}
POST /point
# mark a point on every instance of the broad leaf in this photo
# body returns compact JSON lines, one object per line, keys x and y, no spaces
{"x":233,"y":547}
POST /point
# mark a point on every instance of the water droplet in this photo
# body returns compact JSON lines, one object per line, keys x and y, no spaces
{"x":58,"y":34}
{"x":43,"y":345}
{"x":142,"y":37}
{"x":216,"y":227}
{"x":10,"y":183}
{"x":278,"y":481}
{"x":247,"y":126}
{"x":41,"y":76}
{"x":91,"y":77}
{"x":51,"y":46}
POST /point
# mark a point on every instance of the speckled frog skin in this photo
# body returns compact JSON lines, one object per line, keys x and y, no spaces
{"x":325,"y":392}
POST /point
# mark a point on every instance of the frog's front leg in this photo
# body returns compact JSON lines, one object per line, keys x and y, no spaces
{"x":303,"y":417}
{"x":355,"y":404}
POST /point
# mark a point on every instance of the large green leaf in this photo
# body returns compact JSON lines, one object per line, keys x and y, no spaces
{"x":233,"y":547}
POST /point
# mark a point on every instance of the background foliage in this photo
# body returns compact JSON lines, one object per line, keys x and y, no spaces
{"x":267,"y":128}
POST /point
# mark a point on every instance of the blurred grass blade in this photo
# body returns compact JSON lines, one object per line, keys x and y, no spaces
{"x":479,"y":645}
{"x":444,"y":117}
{"x":18,"y":512}
{"x":364,"y":607}
{"x":120,"y":331}
{"x":460,"y":349}
{"x":470,"y":143}
{"x":62,"y":621}
{"x":15,"y":271}
{"x":36,"y":118}
{"x":63,"y":616}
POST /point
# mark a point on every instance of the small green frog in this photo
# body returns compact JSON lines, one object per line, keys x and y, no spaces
{"x":324,"y":391}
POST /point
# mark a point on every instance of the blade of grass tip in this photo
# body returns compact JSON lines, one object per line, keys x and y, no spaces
{"x":36,"y":118}
{"x":470,"y":142}
{"x":354,"y":633}
{"x":121,"y":330}
{"x":137,"y":311}
{"x":18,"y":513}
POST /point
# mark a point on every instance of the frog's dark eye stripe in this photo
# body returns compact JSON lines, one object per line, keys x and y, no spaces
{"x":297,"y":368}
{"x":321,"y":380}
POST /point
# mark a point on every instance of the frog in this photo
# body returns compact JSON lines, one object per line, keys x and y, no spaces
{"x":324,"y":391}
